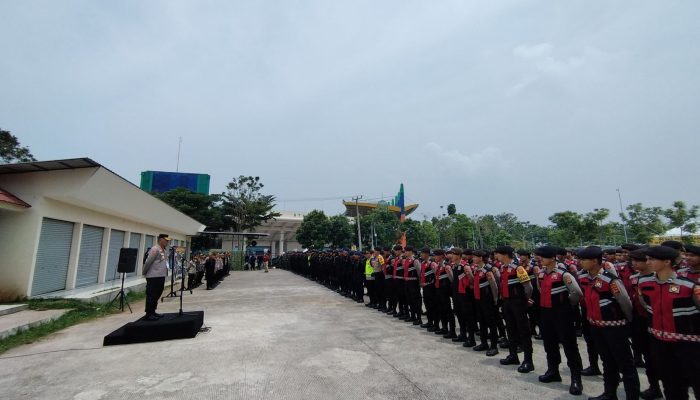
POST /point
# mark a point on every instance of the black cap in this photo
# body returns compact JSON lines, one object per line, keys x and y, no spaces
{"x":479,"y":253}
{"x":398,"y":247}
{"x":630,"y":246}
{"x":523,"y":252}
{"x":467,"y":252}
{"x":425,"y":250}
{"x":692,"y":249}
{"x":387,"y":248}
{"x":164,"y":236}
{"x":638,"y":255}
{"x":561,"y":251}
{"x":590,"y":253}
{"x":438,"y":252}
{"x":507,"y":250}
{"x":547,"y":251}
{"x":674,"y":244}
{"x":609,"y":251}
{"x":408,"y":248}
{"x":456,"y":251}
{"x":662,"y":253}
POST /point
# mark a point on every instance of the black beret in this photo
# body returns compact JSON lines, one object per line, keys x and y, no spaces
{"x":630,"y":246}
{"x":467,"y":252}
{"x":425,"y":250}
{"x":547,"y":251}
{"x":609,"y":251}
{"x":438,"y":252}
{"x":504,"y":250}
{"x":561,"y":251}
{"x":662,"y":253}
{"x":457,"y":251}
{"x":398,"y":247}
{"x":408,"y":248}
{"x":676,"y":245}
{"x":590,"y":253}
{"x":638,"y":255}
{"x":523,"y":252}
{"x":387,"y":248}
{"x":692,"y":249}
{"x":479,"y":253}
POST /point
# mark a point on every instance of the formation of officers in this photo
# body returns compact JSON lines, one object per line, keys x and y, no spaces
{"x":636,"y":307}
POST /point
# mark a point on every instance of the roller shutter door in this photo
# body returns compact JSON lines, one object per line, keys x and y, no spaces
{"x":116,"y":242}
{"x":89,"y":261}
{"x":51,"y":267}
{"x":135,"y":242}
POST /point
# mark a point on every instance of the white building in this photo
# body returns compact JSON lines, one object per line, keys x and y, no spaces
{"x":62,"y":224}
{"x":281,"y":231}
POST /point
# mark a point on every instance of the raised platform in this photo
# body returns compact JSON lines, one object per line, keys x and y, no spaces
{"x":169,"y":327}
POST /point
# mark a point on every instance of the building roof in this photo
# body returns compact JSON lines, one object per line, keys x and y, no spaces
{"x":365,"y":208}
{"x":54,"y":165}
{"x":10,"y":201}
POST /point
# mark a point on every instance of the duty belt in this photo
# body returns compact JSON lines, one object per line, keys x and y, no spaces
{"x":411,"y":279}
{"x":661,"y":335}
{"x":603,"y":323}
{"x":398,"y":277}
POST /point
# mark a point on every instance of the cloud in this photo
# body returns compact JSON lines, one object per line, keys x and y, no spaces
{"x":541,"y":62}
{"x":455,"y":162}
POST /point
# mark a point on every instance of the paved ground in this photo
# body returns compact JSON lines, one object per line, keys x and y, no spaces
{"x":23,"y":320}
{"x":272,"y":336}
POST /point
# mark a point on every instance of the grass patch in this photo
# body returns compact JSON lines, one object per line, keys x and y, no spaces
{"x":80,"y":312}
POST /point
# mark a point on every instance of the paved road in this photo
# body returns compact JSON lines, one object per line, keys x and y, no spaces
{"x":272,"y":336}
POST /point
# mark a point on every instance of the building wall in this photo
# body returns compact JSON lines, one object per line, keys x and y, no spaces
{"x":20,"y":230}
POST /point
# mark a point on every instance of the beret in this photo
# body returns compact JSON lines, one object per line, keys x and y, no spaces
{"x":408,"y":248}
{"x":692,"y":249}
{"x":479,"y":253}
{"x":547,"y":251}
{"x":590,"y":253}
{"x":673,"y":244}
{"x":425,"y":250}
{"x":467,"y":252}
{"x":662,"y":253}
{"x":523,"y":252}
{"x":638,"y":255}
{"x":630,"y":246}
{"x":438,"y":252}
{"x":504,"y":250}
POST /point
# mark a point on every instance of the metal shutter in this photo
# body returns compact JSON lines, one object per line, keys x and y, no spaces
{"x":89,"y":261}
{"x":135,"y":242}
{"x":116,"y":242}
{"x":51,"y":267}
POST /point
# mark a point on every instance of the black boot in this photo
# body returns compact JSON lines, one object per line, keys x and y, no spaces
{"x":492,"y":351}
{"x":433,"y":328}
{"x":591,"y":371}
{"x":442,"y":331}
{"x":426,"y":325}
{"x":651,"y":394}
{"x":470,"y":342}
{"x":511,"y":359}
{"x":576,"y":387}
{"x":459,"y":339}
{"x":418,"y":321}
{"x":551,"y":375}
{"x":527,"y":365}
{"x":450,"y":335}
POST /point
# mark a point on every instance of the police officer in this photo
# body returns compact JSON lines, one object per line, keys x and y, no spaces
{"x":155,"y":269}
{"x":673,"y":305}
{"x":411,"y":271}
{"x":516,"y":292}
{"x":609,"y":311}
{"x":559,"y":292}
{"x":485,"y":286}
{"x":444,"y":288}
{"x":427,"y":283}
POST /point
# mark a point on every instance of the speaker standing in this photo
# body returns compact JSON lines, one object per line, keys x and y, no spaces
{"x":155,"y":269}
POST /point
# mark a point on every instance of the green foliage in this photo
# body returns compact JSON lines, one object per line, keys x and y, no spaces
{"x":314,"y":230}
{"x":245,"y":205}
{"x":643,"y":222}
{"x":11,"y":150}
{"x":340,"y":232}
{"x":451,"y":209}
{"x":420,"y":234}
{"x":386,"y":227}
{"x":680,"y":216}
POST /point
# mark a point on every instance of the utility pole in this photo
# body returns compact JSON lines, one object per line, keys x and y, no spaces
{"x":624,"y":224}
{"x":179,"y":144}
{"x":357,"y":211}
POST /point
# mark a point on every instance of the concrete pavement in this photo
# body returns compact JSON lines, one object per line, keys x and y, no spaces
{"x":272,"y":336}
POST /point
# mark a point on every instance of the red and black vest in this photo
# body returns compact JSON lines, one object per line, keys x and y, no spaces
{"x":602,"y":308}
{"x":584,"y":281}
{"x":410,"y":273}
{"x":443,"y":280}
{"x":389,"y":267}
{"x":398,"y":268}
{"x":482,"y":288}
{"x":511,"y":287}
{"x":427,"y":273}
{"x":553,"y":290}
{"x":624,"y":271}
{"x":639,"y":310}
{"x":689,"y":273}
{"x":463,"y":280}
{"x":672,"y":313}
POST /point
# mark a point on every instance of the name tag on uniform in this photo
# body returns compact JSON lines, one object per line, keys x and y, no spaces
{"x":674,"y":289}
{"x":554,"y":277}
{"x":598,"y":284}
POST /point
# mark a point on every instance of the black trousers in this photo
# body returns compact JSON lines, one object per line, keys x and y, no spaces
{"x":518,"y":326}
{"x":678,"y":364}
{"x":557,"y":327}
{"x":430,"y":304}
{"x":613,"y":344}
{"x":414,"y":301}
{"x":590,"y":342}
{"x":390,"y":291}
{"x":379,"y":289}
{"x":191,"y":280}
{"x":154,"y":289}
{"x":447,"y":317}
{"x":400,"y":294}
{"x":464,"y":310}
{"x":488,"y":312}
{"x":640,"y":334}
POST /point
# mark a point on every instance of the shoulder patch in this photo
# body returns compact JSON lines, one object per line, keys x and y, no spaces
{"x":567,"y":279}
{"x":614,"y":288}
{"x":522,"y":275}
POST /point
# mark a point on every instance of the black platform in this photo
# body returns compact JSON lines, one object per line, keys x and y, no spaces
{"x":170,"y":326}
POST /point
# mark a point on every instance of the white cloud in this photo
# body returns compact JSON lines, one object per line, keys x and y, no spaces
{"x":455,"y":162}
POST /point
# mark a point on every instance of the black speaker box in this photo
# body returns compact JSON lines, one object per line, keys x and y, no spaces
{"x":127,"y":260}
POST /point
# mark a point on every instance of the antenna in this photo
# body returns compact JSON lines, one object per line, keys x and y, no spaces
{"x":179,"y":145}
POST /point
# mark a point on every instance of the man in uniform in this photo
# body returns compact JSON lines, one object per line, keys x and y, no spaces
{"x":411,"y":272}
{"x":609,"y":311}
{"x":155,"y":269}
{"x":485,"y":286}
{"x":516,"y":292}
{"x":389,"y":281}
{"x":444,"y":288}
{"x":399,"y":290}
{"x":559,"y":293}
{"x":427,"y":282}
{"x":692,"y":259}
{"x":673,"y":306}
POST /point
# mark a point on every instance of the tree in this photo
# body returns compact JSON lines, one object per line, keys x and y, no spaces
{"x":386,"y":227}
{"x":340,"y":232}
{"x":451,"y":209}
{"x":420,"y":234}
{"x":643,"y":223}
{"x":245,"y":205}
{"x":592,"y":226}
{"x":11,"y":150}
{"x":201,"y":207}
{"x":680,"y":216}
{"x":314,"y":229}
{"x":568,"y":228}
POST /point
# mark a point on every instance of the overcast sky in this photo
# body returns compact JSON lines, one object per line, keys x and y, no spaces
{"x":530,"y":107}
